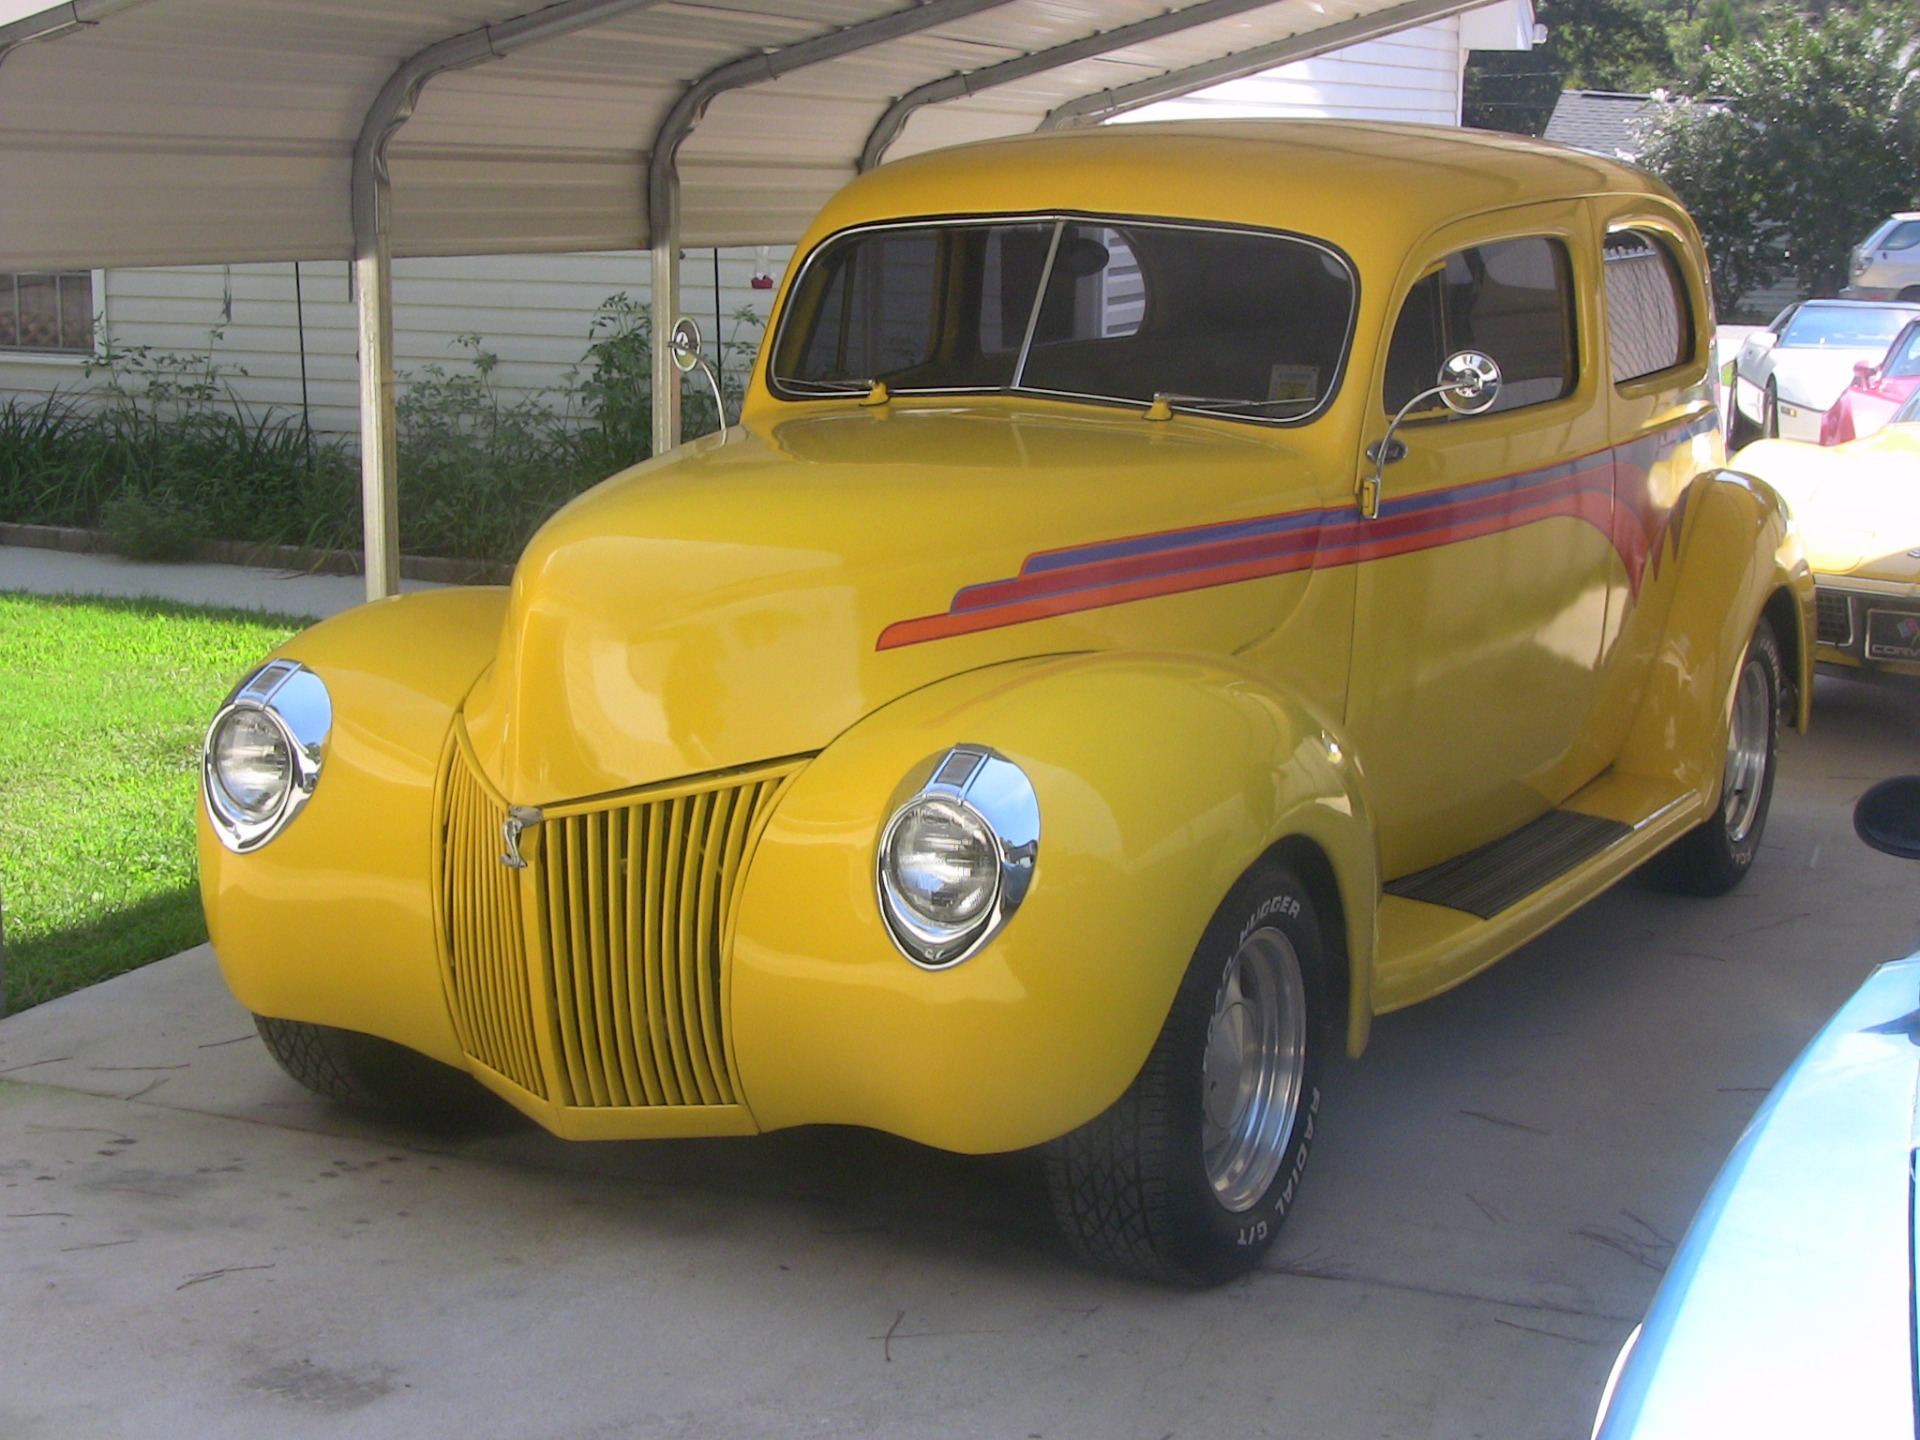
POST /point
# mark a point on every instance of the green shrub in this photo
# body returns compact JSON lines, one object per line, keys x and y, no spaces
{"x":151,"y":527}
{"x":162,"y":452}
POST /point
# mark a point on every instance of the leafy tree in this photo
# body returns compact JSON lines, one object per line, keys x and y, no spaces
{"x":1591,"y":45}
{"x":1798,"y":140}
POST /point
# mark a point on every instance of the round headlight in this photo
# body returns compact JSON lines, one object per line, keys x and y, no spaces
{"x":263,"y":753}
{"x":252,"y":762}
{"x":957,"y":857}
{"x":943,"y":863}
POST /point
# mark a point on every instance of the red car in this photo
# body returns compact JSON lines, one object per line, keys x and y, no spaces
{"x":1876,"y":391}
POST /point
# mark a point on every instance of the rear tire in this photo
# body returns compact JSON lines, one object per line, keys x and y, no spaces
{"x":1188,"y":1176}
{"x":1715,"y":855}
{"x":367,"y":1072}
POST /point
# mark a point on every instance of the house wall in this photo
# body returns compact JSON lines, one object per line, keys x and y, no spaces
{"x":533,"y":312}
{"x":1413,"y":76}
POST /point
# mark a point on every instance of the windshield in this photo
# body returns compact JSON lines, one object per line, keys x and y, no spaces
{"x":1903,"y":359}
{"x":1235,"y":322}
{"x":1851,"y":327}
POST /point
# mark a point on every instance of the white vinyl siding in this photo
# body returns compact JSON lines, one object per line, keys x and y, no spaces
{"x":531,"y":311}
{"x":1413,"y":76}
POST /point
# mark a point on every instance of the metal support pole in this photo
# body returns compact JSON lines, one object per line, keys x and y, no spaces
{"x":663,"y":223}
{"x":372,"y":197}
{"x":379,"y":422}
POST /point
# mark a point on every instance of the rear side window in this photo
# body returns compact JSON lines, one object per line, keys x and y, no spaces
{"x":1512,"y":299}
{"x":1903,"y":236}
{"x":1649,"y":327}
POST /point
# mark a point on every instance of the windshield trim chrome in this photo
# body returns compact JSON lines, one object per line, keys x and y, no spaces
{"x":1059,"y":219}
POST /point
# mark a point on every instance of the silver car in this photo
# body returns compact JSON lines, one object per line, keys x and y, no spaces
{"x":1788,"y":374}
{"x":1886,"y":265}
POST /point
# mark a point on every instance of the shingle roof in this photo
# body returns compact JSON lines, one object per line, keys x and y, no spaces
{"x":1601,"y":121}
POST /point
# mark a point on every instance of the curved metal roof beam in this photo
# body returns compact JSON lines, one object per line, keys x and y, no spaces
{"x":765,"y":65}
{"x":972,"y":82}
{"x":1103,"y":104}
{"x":394,"y":105}
{"x":663,"y":161}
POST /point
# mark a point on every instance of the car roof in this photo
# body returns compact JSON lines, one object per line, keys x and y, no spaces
{"x":1912,"y":305}
{"x":1355,"y":183}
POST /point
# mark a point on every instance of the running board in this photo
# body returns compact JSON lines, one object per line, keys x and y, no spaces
{"x":1428,"y":941}
{"x":1503,"y":872}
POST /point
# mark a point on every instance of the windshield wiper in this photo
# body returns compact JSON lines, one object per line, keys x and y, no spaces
{"x":850,"y":385}
{"x":1164,"y":400}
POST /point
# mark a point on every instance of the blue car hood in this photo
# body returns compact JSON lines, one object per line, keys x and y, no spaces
{"x":1789,"y":1307}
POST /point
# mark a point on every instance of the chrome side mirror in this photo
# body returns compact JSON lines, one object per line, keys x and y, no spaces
{"x":1469,"y":384}
{"x":684,"y":342}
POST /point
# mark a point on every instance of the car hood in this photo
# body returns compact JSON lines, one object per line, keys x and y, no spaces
{"x":1813,"y":376}
{"x":1856,"y":506}
{"x":750,"y":596}
{"x":1787,"y":1309}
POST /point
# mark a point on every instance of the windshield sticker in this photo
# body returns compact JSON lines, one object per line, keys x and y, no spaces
{"x":1293,"y":382}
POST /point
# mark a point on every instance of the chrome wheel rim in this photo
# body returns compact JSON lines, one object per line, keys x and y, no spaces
{"x":1254,"y":1069}
{"x":1745,"y":778}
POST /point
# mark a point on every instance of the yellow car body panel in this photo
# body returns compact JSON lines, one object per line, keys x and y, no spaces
{"x":718,"y":674}
{"x":1050,"y":1023}
{"x":334,"y":921}
{"x":1857,"y":508}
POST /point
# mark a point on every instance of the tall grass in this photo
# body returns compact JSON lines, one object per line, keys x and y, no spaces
{"x":161,"y":450}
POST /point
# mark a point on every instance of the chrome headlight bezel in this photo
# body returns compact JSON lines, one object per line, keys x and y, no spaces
{"x":994,"y":793}
{"x":294,"y":701}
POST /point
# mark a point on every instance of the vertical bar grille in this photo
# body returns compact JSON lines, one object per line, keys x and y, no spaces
{"x":487,"y":978}
{"x":630,"y":903}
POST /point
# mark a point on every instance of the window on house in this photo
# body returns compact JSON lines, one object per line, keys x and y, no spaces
{"x":1648,"y":325}
{"x":1512,"y":299}
{"x":47,"y":311}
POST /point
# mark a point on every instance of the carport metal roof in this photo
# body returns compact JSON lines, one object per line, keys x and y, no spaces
{"x":175,"y":131}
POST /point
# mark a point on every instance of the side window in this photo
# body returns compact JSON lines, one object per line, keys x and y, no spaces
{"x":1512,"y":299}
{"x":1903,"y":236}
{"x":47,"y":312}
{"x":1648,"y":325}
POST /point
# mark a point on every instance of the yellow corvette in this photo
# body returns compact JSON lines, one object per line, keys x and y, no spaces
{"x":1175,"y":593}
{"x":1857,"y":507}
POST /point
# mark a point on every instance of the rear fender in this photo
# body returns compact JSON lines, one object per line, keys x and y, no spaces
{"x":1739,"y":558}
{"x":1160,"y":780}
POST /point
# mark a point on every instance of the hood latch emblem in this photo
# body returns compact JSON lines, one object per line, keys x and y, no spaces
{"x":519,"y":818}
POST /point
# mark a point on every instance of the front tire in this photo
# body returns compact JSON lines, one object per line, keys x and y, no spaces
{"x":1188,"y":1176}
{"x":1770,"y":425}
{"x":367,"y":1072}
{"x":1715,"y":856}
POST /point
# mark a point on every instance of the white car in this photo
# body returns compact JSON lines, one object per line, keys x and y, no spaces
{"x":1788,"y":375}
{"x":1886,"y":265}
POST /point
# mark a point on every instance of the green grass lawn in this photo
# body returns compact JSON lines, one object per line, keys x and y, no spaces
{"x":102,"y":707}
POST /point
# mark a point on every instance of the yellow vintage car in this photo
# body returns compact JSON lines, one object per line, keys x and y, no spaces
{"x":1175,"y":592}
{"x":1857,"y":508}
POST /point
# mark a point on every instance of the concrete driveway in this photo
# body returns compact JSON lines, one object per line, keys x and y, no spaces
{"x":191,"y":1246}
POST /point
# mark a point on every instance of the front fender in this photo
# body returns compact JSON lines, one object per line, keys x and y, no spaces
{"x":1160,"y":779}
{"x":1738,"y":556}
{"x":332,"y":921}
